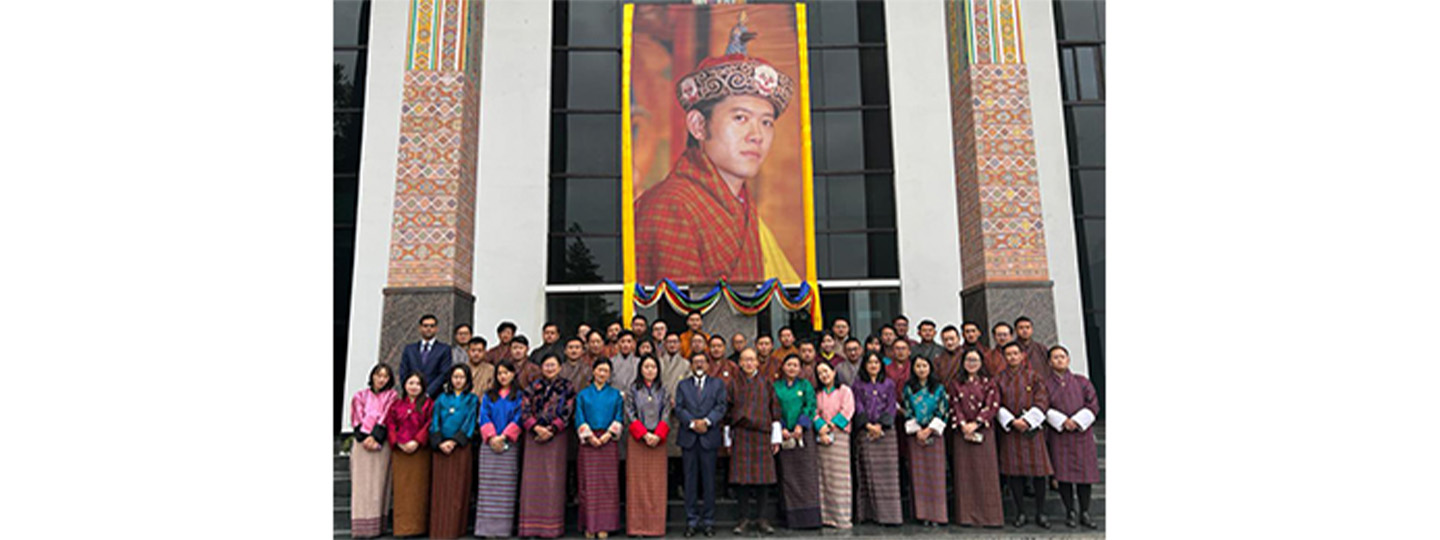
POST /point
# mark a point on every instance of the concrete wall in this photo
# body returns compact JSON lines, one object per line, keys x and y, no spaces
{"x":926,"y":216}
{"x":1053,"y":166}
{"x":384,"y":79}
{"x":512,"y":203}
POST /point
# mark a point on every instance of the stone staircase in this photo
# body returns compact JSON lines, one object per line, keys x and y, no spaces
{"x":727,"y":511}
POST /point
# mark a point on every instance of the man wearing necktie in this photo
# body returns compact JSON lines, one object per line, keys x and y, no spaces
{"x":700,"y":403}
{"x":429,"y":357}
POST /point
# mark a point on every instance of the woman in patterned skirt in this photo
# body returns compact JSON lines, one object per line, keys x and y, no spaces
{"x":797,"y":461}
{"x":834,"y":406}
{"x":499,"y":466}
{"x":974,"y":399}
{"x":548,"y":403}
{"x":453,"y":461}
{"x":408,"y":427}
{"x":878,"y":488}
{"x":1073,"y":406}
{"x":926,"y":411}
{"x":370,"y":456}
{"x":647,"y":405}
{"x":599,"y":418}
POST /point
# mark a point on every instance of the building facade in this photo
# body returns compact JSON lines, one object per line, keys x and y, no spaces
{"x":958,"y":168}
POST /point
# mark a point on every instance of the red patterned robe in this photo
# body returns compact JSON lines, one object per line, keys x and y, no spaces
{"x":690,"y":228}
{"x":1023,"y":454}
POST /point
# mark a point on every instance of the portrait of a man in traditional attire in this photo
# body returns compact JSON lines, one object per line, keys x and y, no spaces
{"x":701,"y":222}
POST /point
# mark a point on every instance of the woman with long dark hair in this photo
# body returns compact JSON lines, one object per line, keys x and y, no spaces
{"x":878,"y":455}
{"x":926,"y":411}
{"x":453,"y":462}
{"x":834,"y":407}
{"x":370,"y":456}
{"x":408,"y":427}
{"x":647,"y":406}
{"x":499,"y":463}
{"x":548,"y":404}
{"x":974,"y":400}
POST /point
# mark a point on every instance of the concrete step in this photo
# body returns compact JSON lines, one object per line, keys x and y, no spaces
{"x":727,"y":511}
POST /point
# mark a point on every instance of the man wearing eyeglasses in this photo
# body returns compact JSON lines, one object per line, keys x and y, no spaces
{"x":429,"y":357}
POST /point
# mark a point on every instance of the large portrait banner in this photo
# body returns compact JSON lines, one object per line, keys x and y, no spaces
{"x":719,"y":176}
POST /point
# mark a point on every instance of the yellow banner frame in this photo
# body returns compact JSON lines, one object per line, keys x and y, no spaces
{"x":627,"y":185}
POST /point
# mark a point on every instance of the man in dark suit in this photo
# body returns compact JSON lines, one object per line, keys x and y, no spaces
{"x":699,"y":407}
{"x":429,"y":357}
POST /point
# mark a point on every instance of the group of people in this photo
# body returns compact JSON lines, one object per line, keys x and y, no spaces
{"x":843,"y":426}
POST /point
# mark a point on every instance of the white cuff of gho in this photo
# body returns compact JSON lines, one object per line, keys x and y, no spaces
{"x":1055,"y":419}
{"x":1006,"y":417}
{"x":1084,"y":418}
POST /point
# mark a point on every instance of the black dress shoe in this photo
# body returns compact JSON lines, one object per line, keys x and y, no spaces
{"x":1070,"y":519}
{"x":1042,"y":521}
{"x":740,"y":529}
{"x":1020,"y":520}
{"x":689,"y":531}
{"x":1086,"y":521}
{"x":709,"y":530}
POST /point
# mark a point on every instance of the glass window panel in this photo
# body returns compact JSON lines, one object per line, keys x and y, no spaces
{"x":838,"y":141}
{"x":836,"y":303}
{"x":872,"y":21}
{"x":844,"y":203}
{"x":584,"y":259}
{"x":874,"y":77}
{"x":344,"y":270}
{"x":841,"y":83}
{"x":594,"y":80}
{"x":347,"y":142}
{"x":822,"y":205}
{"x":822,"y":256}
{"x":1100,"y":18}
{"x":558,"y":143}
{"x":559,"y":77}
{"x":593,"y":143}
{"x":594,"y":22}
{"x":837,"y":21}
{"x":569,"y":310}
{"x":349,"y":79}
{"x":1089,"y":189}
{"x":879,"y":201}
{"x":1095,"y":347}
{"x":1088,"y":127}
{"x":884,"y":261}
{"x":348,"y":29}
{"x":588,"y":205}
{"x":1088,"y":72}
{"x":847,"y":256}
{"x":877,"y":139}
{"x":347,"y":194}
{"x":1067,"y":72}
{"x":1078,"y":20}
{"x":866,"y":309}
{"x":1093,"y":270}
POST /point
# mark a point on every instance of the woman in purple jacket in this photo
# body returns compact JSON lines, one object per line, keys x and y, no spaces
{"x":878,"y":484}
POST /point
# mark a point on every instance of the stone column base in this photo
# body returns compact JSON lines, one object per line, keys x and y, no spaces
{"x":404,"y":306}
{"x":990,"y":303}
